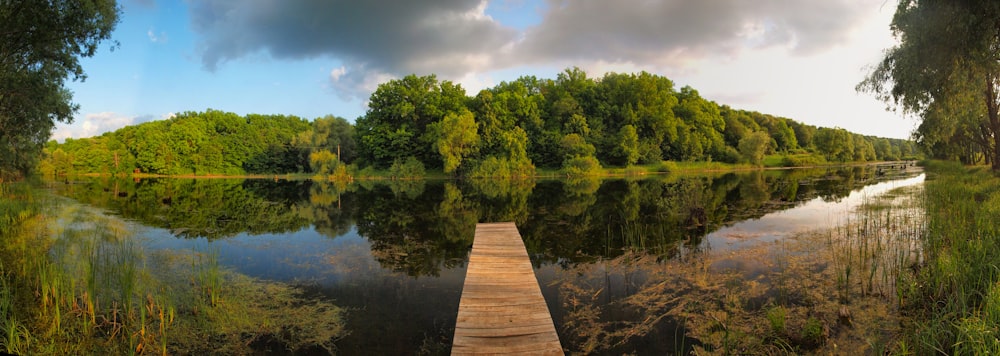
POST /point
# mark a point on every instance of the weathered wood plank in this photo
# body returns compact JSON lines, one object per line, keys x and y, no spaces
{"x":502,"y":310}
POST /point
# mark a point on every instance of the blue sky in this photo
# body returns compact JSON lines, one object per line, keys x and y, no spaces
{"x":312,"y":58}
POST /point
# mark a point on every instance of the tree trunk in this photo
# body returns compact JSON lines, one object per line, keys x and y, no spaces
{"x":994,"y":120}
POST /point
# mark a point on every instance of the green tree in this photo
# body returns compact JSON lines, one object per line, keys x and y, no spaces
{"x":947,"y":51}
{"x":628,"y":145}
{"x":399,"y":113}
{"x":753,"y":146}
{"x":457,"y":139}
{"x":701,"y":135}
{"x":836,"y":144}
{"x":41,"y":43}
{"x":323,"y":162}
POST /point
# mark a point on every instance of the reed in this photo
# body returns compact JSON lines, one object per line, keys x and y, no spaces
{"x":954,"y":300}
{"x":77,"y":281}
{"x":874,"y":250}
{"x":208,"y":275}
{"x":14,"y":336}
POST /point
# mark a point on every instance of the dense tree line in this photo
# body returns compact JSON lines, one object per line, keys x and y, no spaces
{"x":210,"y":142}
{"x":574,"y":123}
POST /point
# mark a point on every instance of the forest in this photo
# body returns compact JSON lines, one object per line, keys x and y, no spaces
{"x":573,"y":124}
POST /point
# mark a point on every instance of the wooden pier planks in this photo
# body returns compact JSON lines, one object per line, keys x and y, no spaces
{"x":502,"y":310}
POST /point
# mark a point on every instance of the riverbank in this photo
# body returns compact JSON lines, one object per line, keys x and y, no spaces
{"x":770,"y":162}
{"x":952,"y":303}
{"x":77,"y":281}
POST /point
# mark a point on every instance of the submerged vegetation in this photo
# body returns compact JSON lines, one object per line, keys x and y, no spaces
{"x":74,"y":281}
{"x":822,"y":291}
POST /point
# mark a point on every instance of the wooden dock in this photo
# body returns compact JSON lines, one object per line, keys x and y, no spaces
{"x":502,"y":310}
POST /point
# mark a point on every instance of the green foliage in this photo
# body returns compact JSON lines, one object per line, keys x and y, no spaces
{"x":400,"y":115}
{"x":324,"y":163}
{"x":457,"y":139}
{"x":580,"y":166}
{"x":628,"y":145}
{"x":574,"y":145}
{"x":493,"y":167}
{"x":753,"y":146}
{"x":332,"y":133}
{"x":954,"y":297}
{"x":410,"y":168}
{"x":508,"y":130}
{"x":41,"y":43}
{"x":776,"y":317}
{"x":798,"y":160}
{"x":952,"y":84}
{"x":812,"y":331}
{"x":836,"y":144}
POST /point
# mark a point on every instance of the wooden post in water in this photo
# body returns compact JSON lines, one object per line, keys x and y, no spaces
{"x":502,"y":310}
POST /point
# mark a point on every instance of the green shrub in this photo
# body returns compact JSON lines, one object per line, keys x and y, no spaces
{"x":493,"y":167}
{"x":776,"y":316}
{"x":668,"y":167}
{"x":411,"y":168}
{"x":581,"y":166}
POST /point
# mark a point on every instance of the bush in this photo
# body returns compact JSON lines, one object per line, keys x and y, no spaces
{"x":729,"y":155}
{"x":411,"y":168}
{"x":581,"y":166}
{"x":667,"y":167}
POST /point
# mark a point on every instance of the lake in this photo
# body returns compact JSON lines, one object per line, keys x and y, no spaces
{"x":625,"y":264}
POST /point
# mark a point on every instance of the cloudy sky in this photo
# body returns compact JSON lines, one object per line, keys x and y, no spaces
{"x":793,"y":58}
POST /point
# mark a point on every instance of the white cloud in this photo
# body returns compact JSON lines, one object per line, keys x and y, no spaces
{"x":95,"y":124}
{"x":337,"y":73}
{"x":797,"y":59}
{"x":156,"y":38}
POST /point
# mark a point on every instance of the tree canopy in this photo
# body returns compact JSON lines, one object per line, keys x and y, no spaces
{"x":946,"y":69}
{"x":573,"y":123}
{"x":41,"y":43}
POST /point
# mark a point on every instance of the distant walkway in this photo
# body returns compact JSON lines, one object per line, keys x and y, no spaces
{"x":502,"y":309}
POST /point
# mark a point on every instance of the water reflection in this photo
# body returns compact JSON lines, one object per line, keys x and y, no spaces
{"x":394,"y":253}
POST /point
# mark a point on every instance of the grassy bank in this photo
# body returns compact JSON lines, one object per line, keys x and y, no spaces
{"x":74,"y":281}
{"x":351,"y":172}
{"x":953,"y":303}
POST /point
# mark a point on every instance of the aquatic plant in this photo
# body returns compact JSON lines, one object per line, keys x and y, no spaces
{"x":76,"y":281}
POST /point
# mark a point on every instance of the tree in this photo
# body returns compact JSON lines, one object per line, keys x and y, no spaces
{"x":947,"y":50}
{"x":753,"y":146}
{"x":41,"y":43}
{"x":399,"y":113}
{"x":457,"y":139}
{"x":628,"y":145}
{"x":836,"y":144}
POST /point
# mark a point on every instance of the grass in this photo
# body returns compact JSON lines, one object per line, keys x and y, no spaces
{"x":76,"y":281}
{"x":873,"y":251}
{"x":953,"y":303}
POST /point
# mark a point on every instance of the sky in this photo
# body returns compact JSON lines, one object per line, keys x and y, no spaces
{"x":799,"y":59}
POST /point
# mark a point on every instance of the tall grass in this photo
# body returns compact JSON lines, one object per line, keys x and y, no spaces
{"x":75,"y":281}
{"x":954,"y":302}
{"x":873,"y":251}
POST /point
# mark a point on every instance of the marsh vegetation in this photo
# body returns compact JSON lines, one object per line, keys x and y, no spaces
{"x":661,"y":264}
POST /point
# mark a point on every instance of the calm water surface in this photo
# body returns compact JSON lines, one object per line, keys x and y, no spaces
{"x":394,"y":254}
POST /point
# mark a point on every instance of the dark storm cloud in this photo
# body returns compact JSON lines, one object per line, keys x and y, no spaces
{"x":672,"y":31}
{"x":383,"y":38}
